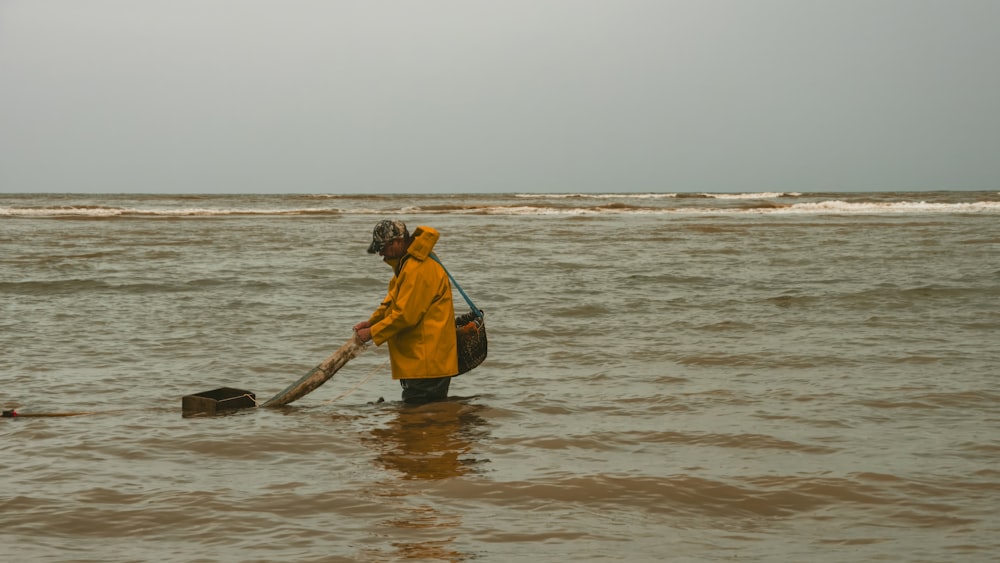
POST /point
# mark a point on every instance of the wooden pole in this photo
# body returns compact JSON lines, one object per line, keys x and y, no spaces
{"x":319,"y":374}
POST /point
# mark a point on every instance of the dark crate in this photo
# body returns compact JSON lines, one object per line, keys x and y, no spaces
{"x":217,"y":401}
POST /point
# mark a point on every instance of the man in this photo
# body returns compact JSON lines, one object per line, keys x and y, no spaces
{"x":417,"y":317}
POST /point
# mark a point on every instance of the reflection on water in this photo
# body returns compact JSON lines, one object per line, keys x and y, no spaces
{"x":430,"y":441}
{"x":425,"y":444}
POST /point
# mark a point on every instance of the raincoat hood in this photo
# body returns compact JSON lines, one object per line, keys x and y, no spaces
{"x":421,"y":246}
{"x":424,"y":239}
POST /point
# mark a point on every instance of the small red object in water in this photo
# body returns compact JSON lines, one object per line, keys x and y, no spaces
{"x":9,"y":414}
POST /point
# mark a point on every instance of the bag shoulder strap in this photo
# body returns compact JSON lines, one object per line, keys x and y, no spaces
{"x":472,"y":305}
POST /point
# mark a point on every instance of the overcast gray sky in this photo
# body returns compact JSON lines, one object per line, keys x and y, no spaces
{"x":328,"y":96}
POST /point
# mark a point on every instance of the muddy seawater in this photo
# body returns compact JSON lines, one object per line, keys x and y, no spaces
{"x":671,"y":377}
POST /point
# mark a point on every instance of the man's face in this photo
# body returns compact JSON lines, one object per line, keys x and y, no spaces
{"x":393,"y":250}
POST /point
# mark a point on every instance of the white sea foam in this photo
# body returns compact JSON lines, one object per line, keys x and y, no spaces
{"x":839,"y":206}
{"x":653,"y":196}
{"x":98,"y":212}
{"x":60,"y":211}
{"x":760,"y":195}
{"x":813,"y":208}
{"x":515,"y":204}
{"x":598,"y":196}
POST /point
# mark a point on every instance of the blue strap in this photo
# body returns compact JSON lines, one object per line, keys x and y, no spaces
{"x":472,"y":305}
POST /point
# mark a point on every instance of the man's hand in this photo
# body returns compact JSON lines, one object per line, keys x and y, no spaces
{"x":363,"y":330}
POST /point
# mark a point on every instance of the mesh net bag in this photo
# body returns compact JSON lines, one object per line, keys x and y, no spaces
{"x":470,"y":332}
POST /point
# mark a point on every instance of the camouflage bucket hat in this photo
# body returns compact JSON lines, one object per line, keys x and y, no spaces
{"x":385,"y":232}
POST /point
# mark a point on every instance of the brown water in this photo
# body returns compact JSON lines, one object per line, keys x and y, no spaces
{"x":770,"y":378}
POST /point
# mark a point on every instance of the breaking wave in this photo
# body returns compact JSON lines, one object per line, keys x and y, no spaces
{"x":101,"y":207}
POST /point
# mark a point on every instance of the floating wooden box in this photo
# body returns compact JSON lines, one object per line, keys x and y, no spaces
{"x":217,"y":401}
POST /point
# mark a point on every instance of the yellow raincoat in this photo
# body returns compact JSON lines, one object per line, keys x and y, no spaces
{"x":417,"y":317}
